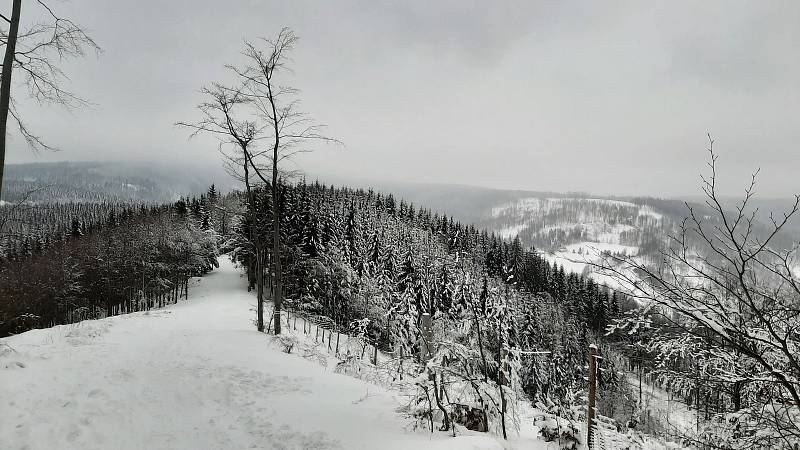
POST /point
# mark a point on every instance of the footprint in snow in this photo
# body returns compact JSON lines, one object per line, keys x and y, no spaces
{"x":95,"y":393}
{"x":14,"y":365}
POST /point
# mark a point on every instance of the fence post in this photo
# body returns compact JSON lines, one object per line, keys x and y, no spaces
{"x":590,"y":413}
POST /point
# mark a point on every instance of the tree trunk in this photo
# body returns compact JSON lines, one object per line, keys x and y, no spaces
{"x":259,"y":257}
{"x":276,"y":244}
{"x":260,"y":288}
{"x":592,"y":395}
{"x":5,"y":83}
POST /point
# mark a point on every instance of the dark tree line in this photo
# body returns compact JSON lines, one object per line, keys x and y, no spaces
{"x":86,"y":268}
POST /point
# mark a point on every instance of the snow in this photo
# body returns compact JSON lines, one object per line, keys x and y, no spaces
{"x":530,"y":204}
{"x":512,"y":231}
{"x":197,"y":375}
{"x":673,"y":414}
{"x":544,"y":205}
{"x":612,"y":225}
{"x":598,"y":231}
{"x":569,"y":261}
{"x":605,"y":201}
{"x":587,"y":258}
{"x":596,"y":248}
{"x":649,"y":211}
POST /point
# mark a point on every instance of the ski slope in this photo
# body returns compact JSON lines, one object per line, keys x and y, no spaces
{"x":194,"y":376}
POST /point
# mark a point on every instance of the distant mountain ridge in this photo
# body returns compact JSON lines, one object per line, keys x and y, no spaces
{"x":575,"y":230}
{"x":476,"y":204}
{"x":107,"y":181}
{"x":552,"y":222}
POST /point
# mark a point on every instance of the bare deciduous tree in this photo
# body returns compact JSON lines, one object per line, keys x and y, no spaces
{"x":35,"y":52}
{"x":289,"y":130}
{"x":276,"y":131}
{"x":224,"y":116}
{"x":731,"y":299}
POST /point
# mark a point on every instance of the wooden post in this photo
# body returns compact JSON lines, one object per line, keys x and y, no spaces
{"x":592,"y":394}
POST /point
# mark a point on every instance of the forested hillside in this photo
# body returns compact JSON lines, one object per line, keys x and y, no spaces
{"x":505,"y":321}
{"x":480,"y":324}
{"x":563,"y":223}
{"x":66,"y":262}
{"x":359,"y":262}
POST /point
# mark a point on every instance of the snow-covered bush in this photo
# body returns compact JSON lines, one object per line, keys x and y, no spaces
{"x":560,"y":422}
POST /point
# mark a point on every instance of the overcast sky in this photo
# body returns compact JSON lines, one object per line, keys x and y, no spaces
{"x":611,"y":98}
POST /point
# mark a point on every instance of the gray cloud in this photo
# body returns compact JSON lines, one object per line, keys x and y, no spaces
{"x":604,"y":97}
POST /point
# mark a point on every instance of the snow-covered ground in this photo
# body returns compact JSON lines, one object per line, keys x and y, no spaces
{"x":676,"y":418}
{"x":598,"y":233}
{"x":647,"y":210}
{"x":597,"y":248}
{"x":573,"y":214}
{"x":512,"y":231}
{"x":587,"y":258}
{"x":196,"y":376}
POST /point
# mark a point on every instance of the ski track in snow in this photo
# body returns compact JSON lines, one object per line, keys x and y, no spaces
{"x":195,"y":375}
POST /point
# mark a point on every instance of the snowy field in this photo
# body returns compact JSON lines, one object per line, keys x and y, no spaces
{"x":197,"y":376}
{"x":585,"y":258}
{"x":512,"y":231}
{"x":599,"y":237}
{"x":521,"y":214}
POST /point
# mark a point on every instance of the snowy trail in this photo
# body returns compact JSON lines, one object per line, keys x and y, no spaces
{"x":192,"y":376}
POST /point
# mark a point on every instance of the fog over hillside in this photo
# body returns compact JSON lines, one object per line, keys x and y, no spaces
{"x":114,"y":180}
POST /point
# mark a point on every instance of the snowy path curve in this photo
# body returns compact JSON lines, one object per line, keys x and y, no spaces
{"x":192,"y":376}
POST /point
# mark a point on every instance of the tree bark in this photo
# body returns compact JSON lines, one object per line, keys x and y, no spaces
{"x":259,"y":257}
{"x":592,"y":395}
{"x":5,"y":83}
{"x":276,"y":222}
